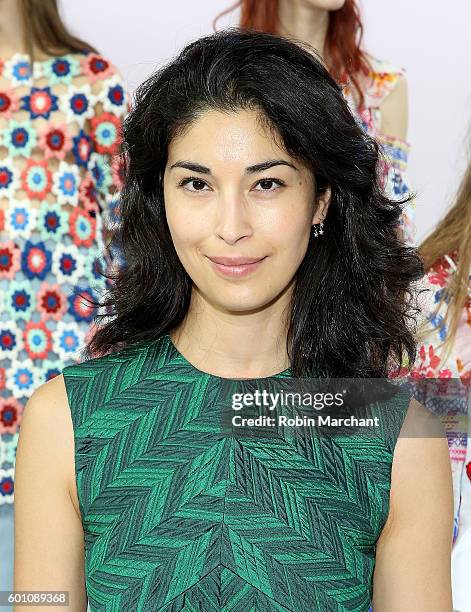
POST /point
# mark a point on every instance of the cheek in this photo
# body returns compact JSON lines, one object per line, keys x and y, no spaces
{"x":295,"y":238}
{"x":186,"y":237}
{"x":291,"y":224}
{"x":288,"y":237}
{"x":185,"y":224}
{"x":189,"y":234}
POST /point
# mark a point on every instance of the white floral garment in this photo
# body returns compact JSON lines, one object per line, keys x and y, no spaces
{"x":60,"y":128}
{"x":380,"y":81}
{"x":454,"y":370}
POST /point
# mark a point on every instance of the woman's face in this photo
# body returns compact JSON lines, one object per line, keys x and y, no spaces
{"x":231,"y":192}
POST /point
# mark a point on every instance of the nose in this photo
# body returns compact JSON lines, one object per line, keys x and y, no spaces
{"x":232,"y":217}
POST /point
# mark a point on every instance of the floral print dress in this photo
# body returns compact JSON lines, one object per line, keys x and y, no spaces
{"x":59,"y":132}
{"x":453,"y":374}
{"x":380,"y":81}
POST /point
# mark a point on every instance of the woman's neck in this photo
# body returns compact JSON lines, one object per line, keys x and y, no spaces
{"x":11,"y":28}
{"x":234,"y":346}
{"x":303,"y":23}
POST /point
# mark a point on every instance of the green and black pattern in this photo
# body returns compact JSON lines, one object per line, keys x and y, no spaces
{"x":179,"y":516}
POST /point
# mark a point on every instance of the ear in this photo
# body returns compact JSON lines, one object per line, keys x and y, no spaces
{"x":322,"y":205}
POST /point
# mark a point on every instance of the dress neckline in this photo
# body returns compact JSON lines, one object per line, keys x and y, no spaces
{"x":176,"y":353}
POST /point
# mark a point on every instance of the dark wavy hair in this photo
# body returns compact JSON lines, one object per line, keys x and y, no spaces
{"x":351,"y":305}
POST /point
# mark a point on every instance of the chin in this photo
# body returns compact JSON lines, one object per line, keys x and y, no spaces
{"x":327,"y":5}
{"x":238,"y":300}
{"x":239,"y":305}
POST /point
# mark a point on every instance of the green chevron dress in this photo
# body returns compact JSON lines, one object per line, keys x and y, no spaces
{"x":179,"y":515}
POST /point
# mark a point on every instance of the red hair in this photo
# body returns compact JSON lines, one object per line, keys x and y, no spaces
{"x":343,"y":54}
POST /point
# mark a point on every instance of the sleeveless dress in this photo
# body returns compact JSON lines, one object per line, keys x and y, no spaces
{"x":59,"y":129}
{"x":456,"y":369}
{"x":178,"y":514}
{"x":376,"y":86}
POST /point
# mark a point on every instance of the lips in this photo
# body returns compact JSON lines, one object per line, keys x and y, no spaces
{"x":235,"y":267}
{"x":235,"y":261}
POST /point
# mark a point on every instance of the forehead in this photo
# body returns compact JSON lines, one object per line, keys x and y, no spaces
{"x":227,"y":137}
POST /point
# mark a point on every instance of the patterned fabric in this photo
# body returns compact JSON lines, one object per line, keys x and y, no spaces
{"x":457,"y":367}
{"x":59,"y":127}
{"x":376,"y":86}
{"x":181,"y":514}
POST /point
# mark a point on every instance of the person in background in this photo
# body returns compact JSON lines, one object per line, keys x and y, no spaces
{"x":61,"y":108}
{"x":445,"y":353}
{"x":375,"y":89}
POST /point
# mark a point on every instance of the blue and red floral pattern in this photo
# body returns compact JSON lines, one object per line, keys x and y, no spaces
{"x":8,"y":178}
{"x":96,"y":67}
{"x":67,"y":264}
{"x":9,"y":103}
{"x":78,"y":104}
{"x":60,"y":126}
{"x":51,"y":301}
{"x":82,"y":227}
{"x":36,"y":179}
{"x":53,"y":221}
{"x":9,"y":260}
{"x":37,"y":340}
{"x":113,"y":97}
{"x":82,"y":148}
{"x":40,"y":102}
{"x":10,"y":335}
{"x":66,"y":184}
{"x":55,"y":141}
{"x":106,"y":132}
{"x":18,"y":70}
{"x":35,"y":260}
{"x":68,"y":340}
{"x":23,"y":377}
{"x":20,"y":301}
{"x":19,"y":138}
{"x":20,"y":220}
{"x":10,"y":409}
{"x":61,"y":70}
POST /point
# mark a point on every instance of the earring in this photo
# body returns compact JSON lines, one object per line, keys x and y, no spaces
{"x":320,"y":231}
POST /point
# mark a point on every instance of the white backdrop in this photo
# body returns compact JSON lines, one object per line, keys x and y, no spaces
{"x":426,"y":37}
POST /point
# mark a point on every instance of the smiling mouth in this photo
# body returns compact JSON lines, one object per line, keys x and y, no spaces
{"x":235,"y":261}
{"x":229,"y":268}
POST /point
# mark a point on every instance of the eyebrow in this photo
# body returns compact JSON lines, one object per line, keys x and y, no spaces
{"x":249,"y":170}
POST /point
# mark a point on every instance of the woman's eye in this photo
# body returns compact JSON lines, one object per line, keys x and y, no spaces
{"x":197,"y":184}
{"x":268,"y":183}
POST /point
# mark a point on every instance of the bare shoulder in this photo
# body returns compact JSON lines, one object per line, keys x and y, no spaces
{"x":395,"y":110}
{"x":49,"y":539}
{"x":421,"y":422}
{"x":47,"y":411}
{"x":421,"y":461}
{"x":413,"y":554}
{"x":47,"y":427}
